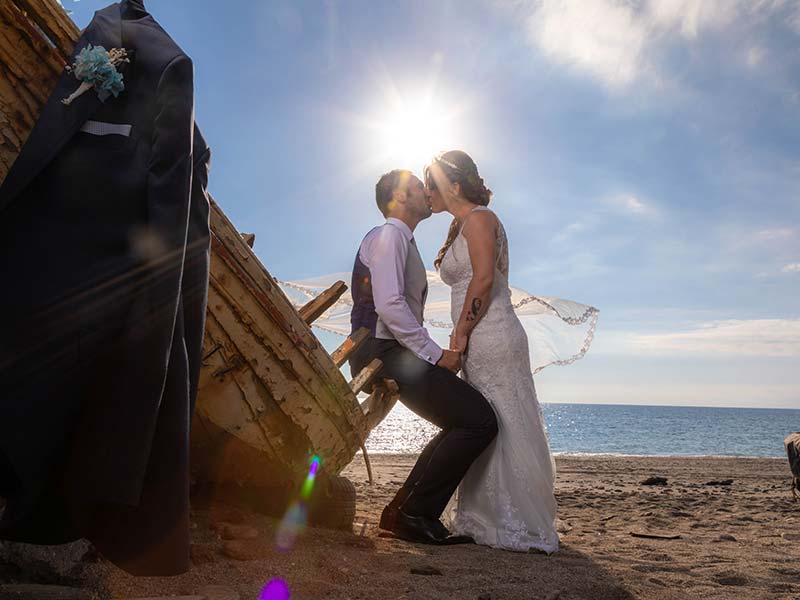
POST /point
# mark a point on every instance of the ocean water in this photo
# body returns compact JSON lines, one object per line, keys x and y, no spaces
{"x":626,"y":430}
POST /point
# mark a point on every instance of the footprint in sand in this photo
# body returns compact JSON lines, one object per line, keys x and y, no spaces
{"x":731,"y":579}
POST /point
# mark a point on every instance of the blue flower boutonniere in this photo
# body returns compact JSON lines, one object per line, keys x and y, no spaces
{"x":95,"y":67}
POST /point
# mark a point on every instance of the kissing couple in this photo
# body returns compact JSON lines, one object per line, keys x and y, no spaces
{"x":493,"y":440}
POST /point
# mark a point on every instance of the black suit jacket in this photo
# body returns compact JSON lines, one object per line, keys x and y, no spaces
{"x":100,"y":334}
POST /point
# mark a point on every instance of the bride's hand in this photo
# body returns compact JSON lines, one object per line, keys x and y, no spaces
{"x":458,"y":342}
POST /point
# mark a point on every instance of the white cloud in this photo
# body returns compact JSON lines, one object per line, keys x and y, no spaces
{"x":791,"y":268}
{"x":662,"y":389}
{"x":755,"y":56}
{"x":632,"y":205}
{"x":690,"y":16}
{"x":757,"y":337}
{"x":616,"y":41}
{"x":769,"y":235}
{"x":602,"y":37}
{"x":794,"y":18}
{"x":742,"y":238}
{"x":569,"y":231}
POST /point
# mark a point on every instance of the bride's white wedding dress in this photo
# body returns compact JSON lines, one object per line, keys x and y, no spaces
{"x":506,"y":499}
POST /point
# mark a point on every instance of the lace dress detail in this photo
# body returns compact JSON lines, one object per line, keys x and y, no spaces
{"x":506,"y":499}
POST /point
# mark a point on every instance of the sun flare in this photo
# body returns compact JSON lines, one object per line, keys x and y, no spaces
{"x":411,"y":133}
{"x":413,"y":136}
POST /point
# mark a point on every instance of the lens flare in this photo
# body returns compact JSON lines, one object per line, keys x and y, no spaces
{"x":276,"y":589}
{"x":296,"y":517}
{"x":308,"y":484}
{"x":292,"y":525}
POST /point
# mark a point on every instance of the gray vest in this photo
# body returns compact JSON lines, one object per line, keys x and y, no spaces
{"x":415,"y":290}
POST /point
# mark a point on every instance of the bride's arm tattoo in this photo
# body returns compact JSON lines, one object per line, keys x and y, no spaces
{"x":481,"y":236}
{"x":475,"y":309}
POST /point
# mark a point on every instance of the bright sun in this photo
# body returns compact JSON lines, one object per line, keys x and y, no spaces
{"x":411,"y":133}
{"x":414,"y":135}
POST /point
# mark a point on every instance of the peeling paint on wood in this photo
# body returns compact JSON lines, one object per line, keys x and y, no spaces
{"x":29,"y":67}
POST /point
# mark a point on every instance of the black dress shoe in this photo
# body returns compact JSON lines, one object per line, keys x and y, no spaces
{"x":422,"y":530}
{"x":388,"y":517}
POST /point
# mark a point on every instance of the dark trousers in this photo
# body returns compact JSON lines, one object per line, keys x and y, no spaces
{"x":437,"y":395}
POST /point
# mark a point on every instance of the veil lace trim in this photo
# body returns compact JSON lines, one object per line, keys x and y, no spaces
{"x":559,"y":331}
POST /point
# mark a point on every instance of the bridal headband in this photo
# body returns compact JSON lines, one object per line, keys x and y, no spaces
{"x":440,"y":158}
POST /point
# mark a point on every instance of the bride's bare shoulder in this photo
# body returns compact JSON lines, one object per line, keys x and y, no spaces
{"x":481,"y":222}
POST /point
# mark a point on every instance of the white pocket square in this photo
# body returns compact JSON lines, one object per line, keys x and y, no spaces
{"x":100,"y":128}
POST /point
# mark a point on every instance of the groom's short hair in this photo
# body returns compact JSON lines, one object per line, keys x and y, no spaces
{"x":386,"y":186}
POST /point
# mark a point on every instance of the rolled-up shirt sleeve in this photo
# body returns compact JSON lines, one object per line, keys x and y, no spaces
{"x":385,"y":256}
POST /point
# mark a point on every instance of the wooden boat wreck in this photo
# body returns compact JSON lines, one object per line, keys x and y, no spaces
{"x":270,"y":396}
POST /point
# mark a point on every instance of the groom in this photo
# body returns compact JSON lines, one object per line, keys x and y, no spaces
{"x":389,"y":288}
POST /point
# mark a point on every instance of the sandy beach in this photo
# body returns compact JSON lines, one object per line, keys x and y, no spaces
{"x":730,"y":539}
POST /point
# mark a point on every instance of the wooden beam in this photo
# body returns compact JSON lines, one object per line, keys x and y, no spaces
{"x":249,"y":238}
{"x":311,"y":311}
{"x":53,"y":20}
{"x":350,"y":345}
{"x":383,"y":398}
{"x":366,"y":375}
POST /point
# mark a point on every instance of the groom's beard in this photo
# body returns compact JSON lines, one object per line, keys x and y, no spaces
{"x":424,"y":212}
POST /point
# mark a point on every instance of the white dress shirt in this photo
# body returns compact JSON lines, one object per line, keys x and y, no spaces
{"x":385,"y":252}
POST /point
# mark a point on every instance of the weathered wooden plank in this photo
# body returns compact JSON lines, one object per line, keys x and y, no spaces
{"x":283,"y":369}
{"x":296,"y":339}
{"x":234,"y":403}
{"x":385,"y":395}
{"x":29,"y":67}
{"x":366,"y":376}
{"x":54,"y":22}
{"x":260,"y":283}
{"x":350,"y":345}
{"x":311,"y":311}
{"x":249,"y":239}
{"x":322,"y":413}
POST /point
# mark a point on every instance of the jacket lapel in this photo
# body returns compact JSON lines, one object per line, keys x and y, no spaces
{"x":57,"y":122}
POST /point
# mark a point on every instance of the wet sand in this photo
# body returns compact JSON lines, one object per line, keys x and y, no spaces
{"x":740,"y":540}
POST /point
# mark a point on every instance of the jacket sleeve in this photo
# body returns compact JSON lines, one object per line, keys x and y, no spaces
{"x":194,"y":288}
{"x":169,"y":182}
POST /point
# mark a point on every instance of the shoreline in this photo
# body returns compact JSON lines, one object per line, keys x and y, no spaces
{"x":611,"y":455}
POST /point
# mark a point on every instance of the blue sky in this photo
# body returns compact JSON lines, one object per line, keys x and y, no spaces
{"x":644,"y":156}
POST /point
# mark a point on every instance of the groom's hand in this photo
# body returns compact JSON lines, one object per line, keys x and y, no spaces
{"x":450,"y":360}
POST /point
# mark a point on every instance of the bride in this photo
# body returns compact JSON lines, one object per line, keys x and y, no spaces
{"x":506,"y":499}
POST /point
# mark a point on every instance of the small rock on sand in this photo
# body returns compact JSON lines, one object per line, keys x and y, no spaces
{"x":792,"y":537}
{"x":726,"y":537}
{"x":202,"y":554}
{"x":425,"y":569}
{"x":234,"y":531}
{"x":563,"y":526}
{"x":720,"y":482}
{"x":654,"y":481}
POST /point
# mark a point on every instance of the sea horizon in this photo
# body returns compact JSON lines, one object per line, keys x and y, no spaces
{"x":788,"y":408}
{"x":579,"y":429}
